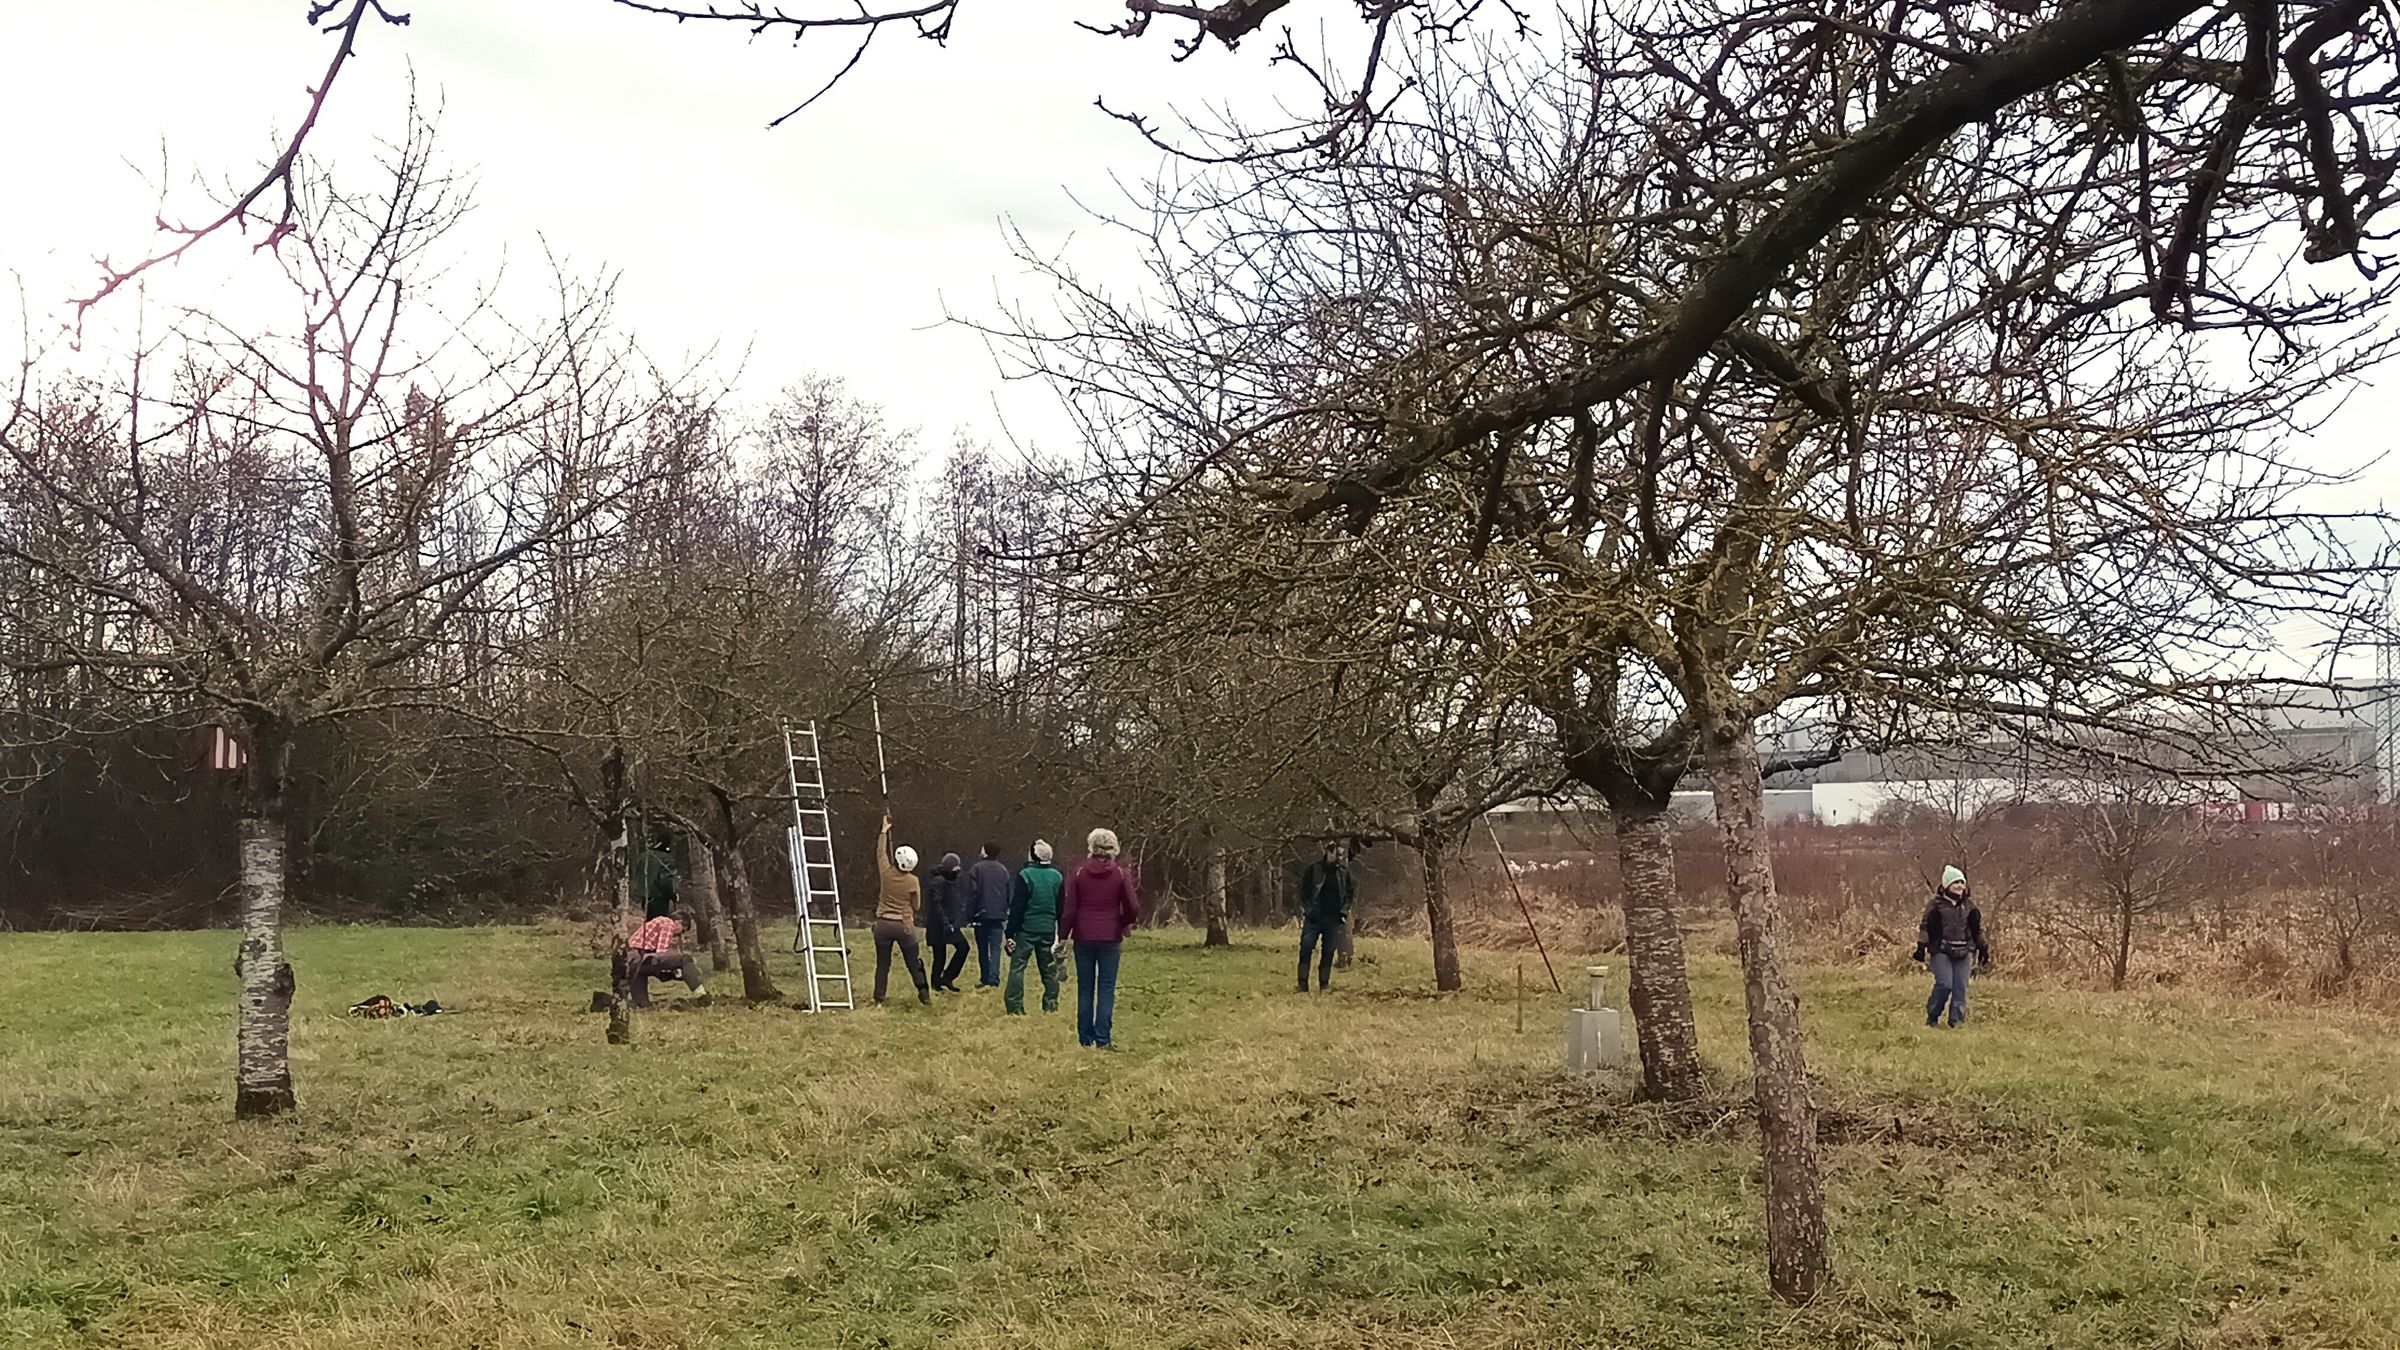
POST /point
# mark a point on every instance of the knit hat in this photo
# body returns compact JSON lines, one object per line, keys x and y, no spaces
{"x":1951,"y":876}
{"x":949,"y":862}
{"x":905,"y":858}
{"x":1041,"y":850}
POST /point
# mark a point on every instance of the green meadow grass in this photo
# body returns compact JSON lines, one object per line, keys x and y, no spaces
{"x":1374,"y":1167}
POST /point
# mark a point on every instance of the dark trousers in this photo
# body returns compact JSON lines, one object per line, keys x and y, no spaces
{"x":946,"y":948}
{"x":987,"y":951}
{"x":1096,"y":990}
{"x":1034,"y":947}
{"x":890,"y":933}
{"x":648,"y":966}
{"x":1315,"y":931}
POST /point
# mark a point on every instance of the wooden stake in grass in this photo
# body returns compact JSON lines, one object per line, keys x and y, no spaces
{"x":1520,"y":998}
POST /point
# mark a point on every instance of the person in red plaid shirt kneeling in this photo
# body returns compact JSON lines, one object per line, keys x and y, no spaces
{"x":656,"y":952}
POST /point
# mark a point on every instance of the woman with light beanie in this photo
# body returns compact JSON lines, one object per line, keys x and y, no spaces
{"x":1098,"y":910}
{"x":896,"y":912}
{"x":1950,"y":933}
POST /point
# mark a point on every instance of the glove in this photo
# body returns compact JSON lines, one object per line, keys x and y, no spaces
{"x":1983,"y":958}
{"x":1918,"y":954}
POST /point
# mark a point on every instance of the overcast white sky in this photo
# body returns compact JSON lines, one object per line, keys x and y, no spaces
{"x":627,"y":141}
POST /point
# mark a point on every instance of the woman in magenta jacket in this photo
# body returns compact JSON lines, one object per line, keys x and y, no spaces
{"x":1098,"y":910}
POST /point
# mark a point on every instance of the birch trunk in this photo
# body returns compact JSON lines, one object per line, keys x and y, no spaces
{"x":620,"y":954}
{"x":1798,"y":1260}
{"x":1657,"y":989}
{"x":262,"y":1075}
{"x":1220,"y":930}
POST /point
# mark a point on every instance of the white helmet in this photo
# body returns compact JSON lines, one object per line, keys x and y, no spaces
{"x":905,"y":858}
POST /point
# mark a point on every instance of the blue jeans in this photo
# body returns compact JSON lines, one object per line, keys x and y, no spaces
{"x":987,"y":952}
{"x":1949,"y":986}
{"x":1095,"y":990}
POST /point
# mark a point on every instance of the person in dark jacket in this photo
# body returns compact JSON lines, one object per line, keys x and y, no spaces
{"x":1100,"y":909}
{"x":1033,"y":930}
{"x":1326,"y":892}
{"x":1950,"y":933}
{"x":992,"y":886}
{"x":654,"y":876}
{"x":945,"y":920}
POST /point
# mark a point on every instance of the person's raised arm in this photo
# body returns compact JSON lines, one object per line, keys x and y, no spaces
{"x":884,"y":867}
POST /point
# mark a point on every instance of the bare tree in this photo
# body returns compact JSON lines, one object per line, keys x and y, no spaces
{"x":2132,"y":843}
{"x":253,"y":519}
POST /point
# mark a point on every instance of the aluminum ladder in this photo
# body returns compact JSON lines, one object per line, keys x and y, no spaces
{"x":823,"y":946}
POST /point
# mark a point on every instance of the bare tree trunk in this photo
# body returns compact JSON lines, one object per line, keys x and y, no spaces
{"x":1220,"y":932}
{"x":262,"y":1074}
{"x":711,"y":906}
{"x":1345,"y":941}
{"x":1431,"y":851}
{"x":2121,"y":961}
{"x":756,"y":985}
{"x":620,"y":954}
{"x":1798,"y":1258}
{"x":1656,"y":985}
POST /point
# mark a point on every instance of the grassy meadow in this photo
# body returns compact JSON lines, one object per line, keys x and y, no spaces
{"x":1373,"y":1167}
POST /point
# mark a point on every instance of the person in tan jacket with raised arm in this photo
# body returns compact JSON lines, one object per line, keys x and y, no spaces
{"x":896,"y":899}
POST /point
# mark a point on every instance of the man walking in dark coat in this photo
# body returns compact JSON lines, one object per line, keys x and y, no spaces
{"x":992,"y":886}
{"x":1326,"y":892}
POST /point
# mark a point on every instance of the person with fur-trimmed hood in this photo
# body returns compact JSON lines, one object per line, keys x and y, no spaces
{"x":896,"y":900}
{"x":1949,"y":934}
